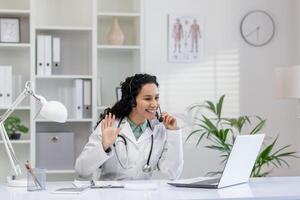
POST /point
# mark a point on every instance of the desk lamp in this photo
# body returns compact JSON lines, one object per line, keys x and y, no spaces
{"x":50,"y":110}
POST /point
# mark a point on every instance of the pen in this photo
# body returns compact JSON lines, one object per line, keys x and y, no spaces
{"x":30,"y":171}
{"x":107,"y":186}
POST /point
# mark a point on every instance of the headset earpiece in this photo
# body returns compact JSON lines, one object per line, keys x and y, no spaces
{"x":132,"y":101}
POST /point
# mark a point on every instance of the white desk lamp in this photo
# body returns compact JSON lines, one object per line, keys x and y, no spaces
{"x":50,"y":110}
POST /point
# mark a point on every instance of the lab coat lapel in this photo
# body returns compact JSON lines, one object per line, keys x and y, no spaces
{"x":127,"y":132}
{"x":148,"y":132}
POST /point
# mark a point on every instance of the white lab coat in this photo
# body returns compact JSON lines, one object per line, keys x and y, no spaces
{"x":167,"y":154}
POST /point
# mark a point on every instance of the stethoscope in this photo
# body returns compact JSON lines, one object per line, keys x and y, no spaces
{"x":146,"y":168}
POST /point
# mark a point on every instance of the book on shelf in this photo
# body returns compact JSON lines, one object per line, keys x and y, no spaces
{"x":5,"y":85}
{"x":44,"y":55}
{"x":87,"y":98}
{"x":48,"y":55}
{"x":56,"y":44}
{"x":78,"y":98}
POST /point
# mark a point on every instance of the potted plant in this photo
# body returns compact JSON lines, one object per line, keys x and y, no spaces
{"x":221,"y":133}
{"x":14,"y":127}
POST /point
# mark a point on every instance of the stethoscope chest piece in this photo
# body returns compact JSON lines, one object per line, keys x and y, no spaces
{"x":147,"y":168}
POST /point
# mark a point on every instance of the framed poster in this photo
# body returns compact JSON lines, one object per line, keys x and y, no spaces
{"x":185,"y":38}
{"x":10,"y":30}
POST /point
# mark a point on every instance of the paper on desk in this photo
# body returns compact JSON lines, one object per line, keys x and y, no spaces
{"x":108,"y":184}
{"x":140,"y":186}
{"x":81,"y":184}
{"x":70,"y":190}
{"x":104,"y":184}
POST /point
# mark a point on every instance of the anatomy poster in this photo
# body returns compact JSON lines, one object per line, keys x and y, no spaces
{"x":185,"y":38}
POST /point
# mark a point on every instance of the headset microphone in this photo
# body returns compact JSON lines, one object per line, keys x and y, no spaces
{"x":159,"y":117}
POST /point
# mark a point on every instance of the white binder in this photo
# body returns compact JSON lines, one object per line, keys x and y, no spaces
{"x":40,"y":54}
{"x":99,"y":102}
{"x":2,"y":84}
{"x":8,"y":85}
{"x":56,"y":56}
{"x":48,"y":55}
{"x":78,"y":98}
{"x":87,"y":98}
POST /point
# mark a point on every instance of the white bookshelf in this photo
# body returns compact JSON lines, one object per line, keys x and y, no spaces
{"x":64,"y":28}
{"x":119,"y":47}
{"x":18,"y":142}
{"x":18,"y":108}
{"x":118,"y":14}
{"x":130,"y":54}
{"x":85,"y":54}
{"x":14,"y":45}
{"x":65,"y":77}
{"x":19,"y":56}
{"x":14,"y":12}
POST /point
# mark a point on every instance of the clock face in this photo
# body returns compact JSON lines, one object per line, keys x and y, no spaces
{"x":257,"y":28}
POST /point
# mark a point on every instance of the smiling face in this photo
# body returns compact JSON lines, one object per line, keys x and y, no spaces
{"x":147,"y":102}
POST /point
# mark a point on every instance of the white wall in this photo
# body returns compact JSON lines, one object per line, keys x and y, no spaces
{"x":255,"y":66}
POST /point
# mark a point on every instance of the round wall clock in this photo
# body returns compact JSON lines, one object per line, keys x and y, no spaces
{"x":257,"y":28}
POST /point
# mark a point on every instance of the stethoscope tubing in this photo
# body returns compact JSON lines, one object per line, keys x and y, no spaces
{"x":125,"y":143}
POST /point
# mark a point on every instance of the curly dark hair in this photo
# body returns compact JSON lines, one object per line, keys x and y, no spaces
{"x":130,"y":89}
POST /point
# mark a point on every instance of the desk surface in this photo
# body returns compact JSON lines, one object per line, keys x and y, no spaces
{"x":258,"y":188}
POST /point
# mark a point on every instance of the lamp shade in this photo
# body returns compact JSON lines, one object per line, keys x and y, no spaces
{"x":53,"y":110}
{"x":287,"y":82}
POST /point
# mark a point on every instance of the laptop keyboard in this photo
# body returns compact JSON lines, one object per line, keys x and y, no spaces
{"x":208,"y":182}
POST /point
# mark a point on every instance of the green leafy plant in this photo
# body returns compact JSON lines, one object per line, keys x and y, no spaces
{"x":221,"y":132}
{"x":13,"y":126}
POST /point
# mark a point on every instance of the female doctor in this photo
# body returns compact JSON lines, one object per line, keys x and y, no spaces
{"x":131,"y":140}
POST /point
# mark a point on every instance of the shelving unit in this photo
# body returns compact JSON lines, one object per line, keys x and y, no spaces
{"x":85,"y":54}
{"x":19,"y":56}
{"x":18,"y":142}
{"x":129,"y":54}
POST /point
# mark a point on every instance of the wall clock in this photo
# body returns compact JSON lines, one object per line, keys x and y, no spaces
{"x":257,"y":28}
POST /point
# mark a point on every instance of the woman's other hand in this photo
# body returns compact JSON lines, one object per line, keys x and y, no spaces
{"x":169,"y":121}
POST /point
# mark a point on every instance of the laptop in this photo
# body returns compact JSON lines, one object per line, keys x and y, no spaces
{"x":237,"y":168}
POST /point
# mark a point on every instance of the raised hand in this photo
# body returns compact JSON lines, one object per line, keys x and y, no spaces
{"x":169,"y":121}
{"x":109,"y":132}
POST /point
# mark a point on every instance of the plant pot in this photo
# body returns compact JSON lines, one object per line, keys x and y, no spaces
{"x":15,"y":136}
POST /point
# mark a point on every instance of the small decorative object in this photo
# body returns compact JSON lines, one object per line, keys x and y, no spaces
{"x":14,"y":128}
{"x":115,"y":36}
{"x":185,"y":38}
{"x":10,"y":30}
{"x":118,"y":93}
{"x":257,"y":28}
{"x":221,"y":133}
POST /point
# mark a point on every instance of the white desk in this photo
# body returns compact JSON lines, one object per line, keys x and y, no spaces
{"x":261,"y":188}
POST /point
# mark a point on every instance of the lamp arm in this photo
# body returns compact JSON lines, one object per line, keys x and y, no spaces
{"x":27,"y":91}
{"x":9,"y":149}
